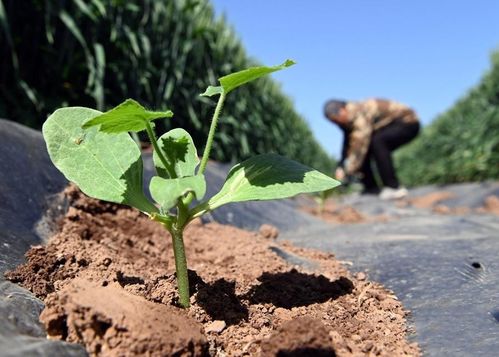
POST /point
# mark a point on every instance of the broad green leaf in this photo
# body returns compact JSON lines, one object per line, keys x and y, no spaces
{"x":167,"y":191}
{"x":104,"y":166}
{"x":128,"y":116}
{"x":234,"y":80}
{"x":211,"y":91}
{"x":180,"y":153}
{"x":268,"y":177}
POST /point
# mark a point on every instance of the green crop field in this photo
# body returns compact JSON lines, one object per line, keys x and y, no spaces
{"x":162,"y":53}
{"x":460,"y":145}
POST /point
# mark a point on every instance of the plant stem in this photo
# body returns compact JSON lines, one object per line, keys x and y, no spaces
{"x":167,"y":221}
{"x":154,"y":142}
{"x":322,"y":204}
{"x":181,"y":267}
{"x":211,"y":134}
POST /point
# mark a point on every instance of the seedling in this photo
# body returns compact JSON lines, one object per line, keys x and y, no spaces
{"x":321,"y":198}
{"x":95,"y":151}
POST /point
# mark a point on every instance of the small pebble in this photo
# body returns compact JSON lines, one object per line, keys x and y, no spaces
{"x":268,"y":231}
{"x":361,"y":276}
{"x":216,"y":326}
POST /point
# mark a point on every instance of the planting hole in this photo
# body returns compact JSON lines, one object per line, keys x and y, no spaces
{"x":476,"y":265}
{"x":495,"y":314}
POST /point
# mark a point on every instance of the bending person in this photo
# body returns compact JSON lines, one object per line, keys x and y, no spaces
{"x":372,"y":130}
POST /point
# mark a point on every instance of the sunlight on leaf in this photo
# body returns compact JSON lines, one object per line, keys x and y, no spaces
{"x":128,"y":116}
{"x":104,"y":166}
{"x":167,"y":191}
{"x":180,"y":151}
{"x":210,"y":91}
{"x":268,"y":177}
{"x":234,"y":80}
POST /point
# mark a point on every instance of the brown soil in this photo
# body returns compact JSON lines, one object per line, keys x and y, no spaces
{"x":338,"y":213}
{"x":107,"y":280}
{"x":491,"y":205}
{"x":443,"y":209}
{"x":431,"y":199}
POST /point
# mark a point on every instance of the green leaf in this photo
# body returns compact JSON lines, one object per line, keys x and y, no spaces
{"x":104,"y":166}
{"x":100,"y":7}
{"x":73,"y":28}
{"x":128,"y":116}
{"x":85,"y":9}
{"x":167,"y":191}
{"x":179,"y":150}
{"x":268,"y":177}
{"x":234,"y":80}
{"x":211,"y":91}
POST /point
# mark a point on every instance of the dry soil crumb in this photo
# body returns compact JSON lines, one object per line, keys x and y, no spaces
{"x":268,"y":231}
{"x":429,"y":200}
{"x":433,"y":202}
{"x":491,"y":205}
{"x":108,"y":282}
{"x":334,"y":212}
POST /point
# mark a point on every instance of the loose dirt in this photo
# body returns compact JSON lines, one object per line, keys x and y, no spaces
{"x":491,"y":205}
{"x":334,"y":212}
{"x":433,"y":201}
{"x":107,"y":280}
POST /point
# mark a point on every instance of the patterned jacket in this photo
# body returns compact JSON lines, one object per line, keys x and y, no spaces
{"x":364,"y":118}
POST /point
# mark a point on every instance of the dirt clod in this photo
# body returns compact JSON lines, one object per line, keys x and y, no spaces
{"x":216,"y":326}
{"x":268,"y":231}
{"x":110,"y":321}
{"x":431,"y":199}
{"x":491,"y":205}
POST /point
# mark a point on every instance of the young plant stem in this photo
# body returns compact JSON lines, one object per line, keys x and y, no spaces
{"x":322,"y":204}
{"x":181,"y":267}
{"x":211,"y":134}
{"x":175,"y":228}
{"x":209,"y":142}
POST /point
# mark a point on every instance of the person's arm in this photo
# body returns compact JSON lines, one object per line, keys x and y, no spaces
{"x":359,"y":140}
{"x":339,"y":173}
{"x":344,"y":149}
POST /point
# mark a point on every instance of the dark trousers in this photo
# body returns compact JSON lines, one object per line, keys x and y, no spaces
{"x":383,"y":142}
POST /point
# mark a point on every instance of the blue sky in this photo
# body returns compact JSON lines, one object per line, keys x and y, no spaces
{"x":423,"y":53}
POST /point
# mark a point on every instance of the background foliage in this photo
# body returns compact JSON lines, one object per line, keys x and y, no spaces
{"x":96,"y":53}
{"x":461,"y":144}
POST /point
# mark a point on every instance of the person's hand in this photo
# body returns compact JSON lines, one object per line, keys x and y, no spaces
{"x":339,"y":174}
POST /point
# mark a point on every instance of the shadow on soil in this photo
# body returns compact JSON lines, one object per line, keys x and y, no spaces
{"x":293,"y":289}
{"x":220,"y":302}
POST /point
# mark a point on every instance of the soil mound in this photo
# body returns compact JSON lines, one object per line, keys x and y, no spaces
{"x":107,"y":279}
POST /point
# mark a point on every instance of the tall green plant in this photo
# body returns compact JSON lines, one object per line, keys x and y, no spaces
{"x":94,"y":53}
{"x":461,"y":144}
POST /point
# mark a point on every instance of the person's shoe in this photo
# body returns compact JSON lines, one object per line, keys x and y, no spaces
{"x":389,"y":193}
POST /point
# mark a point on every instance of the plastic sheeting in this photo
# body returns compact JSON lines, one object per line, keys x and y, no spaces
{"x":444,"y":268}
{"x":29,"y":184}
